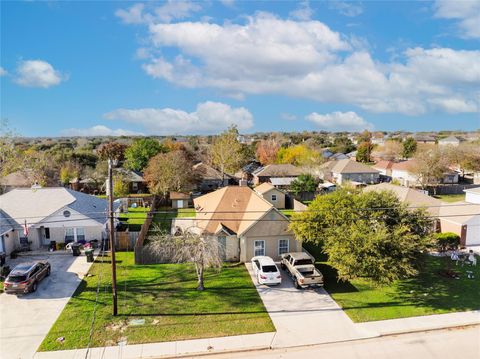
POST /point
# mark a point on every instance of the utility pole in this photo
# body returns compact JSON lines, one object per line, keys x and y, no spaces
{"x":111,"y":229}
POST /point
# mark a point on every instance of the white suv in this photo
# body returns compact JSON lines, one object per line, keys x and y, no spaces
{"x":266,"y":271}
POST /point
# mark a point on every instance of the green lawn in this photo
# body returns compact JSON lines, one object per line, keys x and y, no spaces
{"x":165,"y":296}
{"x":287,"y":212}
{"x":136,"y":215}
{"x":451,"y":197}
{"x":428,"y":293}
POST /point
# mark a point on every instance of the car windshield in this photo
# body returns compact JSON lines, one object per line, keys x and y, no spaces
{"x":269,"y":269}
{"x":303,"y":262}
{"x":17,"y":278}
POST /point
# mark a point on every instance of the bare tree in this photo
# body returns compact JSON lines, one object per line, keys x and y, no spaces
{"x":186,"y":246}
{"x":429,"y":167}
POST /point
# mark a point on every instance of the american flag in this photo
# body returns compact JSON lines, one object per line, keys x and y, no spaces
{"x":25,"y":229}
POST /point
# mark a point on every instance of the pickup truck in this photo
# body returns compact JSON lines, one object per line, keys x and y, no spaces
{"x":301,"y":268}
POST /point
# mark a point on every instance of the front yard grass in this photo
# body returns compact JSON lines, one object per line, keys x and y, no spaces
{"x":428,"y":293}
{"x":451,"y":197}
{"x":165,"y":296}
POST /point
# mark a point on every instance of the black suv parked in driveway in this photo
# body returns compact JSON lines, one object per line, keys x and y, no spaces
{"x":24,"y":278}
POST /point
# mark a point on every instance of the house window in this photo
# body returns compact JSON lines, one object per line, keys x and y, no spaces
{"x":259,"y":248}
{"x":69,"y":235}
{"x":80,"y":234}
{"x":274,"y":197}
{"x":283,"y":246}
{"x":47,"y":233}
{"x":134,"y":186}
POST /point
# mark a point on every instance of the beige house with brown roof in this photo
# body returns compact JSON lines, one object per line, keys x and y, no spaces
{"x":271,"y":194}
{"x":246,"y":224}
{"x":265,"y":174}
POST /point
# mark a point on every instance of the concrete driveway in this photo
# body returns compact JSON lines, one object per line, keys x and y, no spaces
{"x":306,"y":316}
{"x":26,"y":320}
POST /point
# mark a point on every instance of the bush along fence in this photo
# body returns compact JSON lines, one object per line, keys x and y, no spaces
{"x":139,"y":245}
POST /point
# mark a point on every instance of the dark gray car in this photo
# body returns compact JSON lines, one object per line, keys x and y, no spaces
{"x":24,"y":278}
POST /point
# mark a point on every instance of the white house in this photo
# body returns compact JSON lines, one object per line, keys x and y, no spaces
{"x":472,"y":195}
{"x":402,"y":172}
{"x":35,"y":217}
{"x":450,"y":141}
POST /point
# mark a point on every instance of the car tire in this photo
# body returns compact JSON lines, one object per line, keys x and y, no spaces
{"x":48,"y":272}
{"x":34,"y":287}
{"x":295,"y":283}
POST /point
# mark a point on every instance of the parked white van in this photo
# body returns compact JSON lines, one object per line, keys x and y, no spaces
{"x":266,"y":271}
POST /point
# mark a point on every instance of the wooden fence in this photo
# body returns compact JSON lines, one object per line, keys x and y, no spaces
{"x":139,"y":245}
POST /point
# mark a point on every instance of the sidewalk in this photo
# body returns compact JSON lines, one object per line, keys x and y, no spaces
{"x":427,"y":322}
{"x":168,"y":349}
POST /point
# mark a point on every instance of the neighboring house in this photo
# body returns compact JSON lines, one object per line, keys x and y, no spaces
{"x":210,"y":179}
{"x":86,"y":185}
{"x":18,"y":179}
{"x":463,"y":219}
{"x":246,"y":173}
{"x":136,"y":182}
{"x":451,"y":141}
{"x":460,"y":217}
{"x":326,"y":153}
{"x":472,"y":195}
{"x":264,"y":174}
{"x":51,"y":214}
{"x":347,"y":170}
{"x":402,"y":172}
{"x":352,"y":155}
{"x":384,"y":167}
{"x":282,"y":182}
{"x":246,"y":224}
{"x":180,"y":200}
{"x":271,"y":194}
{"x":426,"y":139}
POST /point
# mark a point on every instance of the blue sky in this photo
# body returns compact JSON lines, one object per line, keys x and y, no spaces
{"x":170,"y":68}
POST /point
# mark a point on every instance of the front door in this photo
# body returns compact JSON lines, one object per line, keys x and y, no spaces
{"x":259,"y":248}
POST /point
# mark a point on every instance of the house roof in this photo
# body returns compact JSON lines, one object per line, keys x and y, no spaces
{"x":348,"y":166}
{"x":179,"y":195}
{"x":338,"y":156}
{"x":17,"y":179}
{"x":459,"y":212}
{"x":451,"y":139}
{"x":264,"y":188}
{"x":208,"y":172}
{"x":34,"y":205}
{"x":384,"y":165}
{"x":6,"y":224}
{"x":403,"y":165}
{"x":410,"y":196}
{"x":279,"y":170}
{"x":475,"y":190}
{"x":131,"y":176}
{"x":235,"y":208}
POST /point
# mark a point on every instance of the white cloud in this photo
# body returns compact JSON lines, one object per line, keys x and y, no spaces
{"x":349,"y":9}
{"x":38,"y":73}
{"x":3,"y":72}
{"x":228,"y":3}
{"x":99,"y":130}
{"x":209,"y":117}
{"x":170,"y":10}
{"x":340,"y":121}
{"x":467,"y":12}
{"x":303,"y":12}
{"x":455,"y":105}
{"x":306,"y":59}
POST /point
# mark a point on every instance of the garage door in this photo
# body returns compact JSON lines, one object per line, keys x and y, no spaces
{"x":473,"y":234}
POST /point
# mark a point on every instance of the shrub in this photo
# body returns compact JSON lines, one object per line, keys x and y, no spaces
{"x":446,"y":241}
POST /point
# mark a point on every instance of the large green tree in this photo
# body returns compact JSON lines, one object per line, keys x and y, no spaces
{"x":366,"y":234}
{"x":409,"y":147}
{"x":303,"y":183}
{"x":140,"y":151}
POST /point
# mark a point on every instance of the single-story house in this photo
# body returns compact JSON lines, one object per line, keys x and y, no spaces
{"x":460,"y":217}
{"x":136,"y":182}
{"x":326,"y":153}
{"x":384,"y":167}
{"x":38,"y":216}
{"x":402,"y":171}
{"x":264,"y":174}
{"x":18,"y":179}
{"x":209,"y":178}
{"x":180,"y":200}
{"x":271,"y":194}
{"x":451,"y":141}
{"x":246,"y":172}
{"x":348,"y":170}
{"x":472,"y":195}
{"x":426,"y":139}
{"x":86,"y":185}
{"x":338,"y":156}
{"x":245,"y":223}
